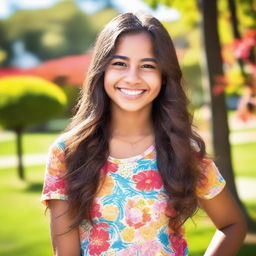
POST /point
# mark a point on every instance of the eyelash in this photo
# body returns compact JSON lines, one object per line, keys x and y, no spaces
{"x":119,"y":63}
{"x":148,"y":66}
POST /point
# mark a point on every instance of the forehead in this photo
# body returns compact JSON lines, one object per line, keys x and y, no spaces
{"x":135,"y":44}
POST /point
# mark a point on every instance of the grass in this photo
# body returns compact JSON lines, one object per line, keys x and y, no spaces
{"x":32,"y":143}
{"x":24,"y":227}
{"x":244,"y":160}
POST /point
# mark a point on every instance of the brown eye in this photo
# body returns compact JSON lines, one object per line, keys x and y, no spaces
{"x":148,"y":66}
{"x":119,"y":63}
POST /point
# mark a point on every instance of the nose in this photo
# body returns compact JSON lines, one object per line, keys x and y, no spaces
{"x":132,"y":75}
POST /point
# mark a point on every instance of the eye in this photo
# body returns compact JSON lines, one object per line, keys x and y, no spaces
{"x":119,"y":63}
{"x":148,"y":66}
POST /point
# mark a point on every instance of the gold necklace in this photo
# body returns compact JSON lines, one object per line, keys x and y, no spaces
{"x":134,"y":142}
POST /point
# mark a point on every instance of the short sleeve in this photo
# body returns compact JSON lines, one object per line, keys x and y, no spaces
{"x":54,"y":183}
{"x":211,"y":182}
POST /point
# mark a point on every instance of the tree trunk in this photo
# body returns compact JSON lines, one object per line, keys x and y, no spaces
{"x":220,"y":129}
{"x":18,"y":132}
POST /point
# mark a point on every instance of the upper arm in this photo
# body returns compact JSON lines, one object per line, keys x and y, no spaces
{"x":65,"y":241}
{"x":222,"y":209}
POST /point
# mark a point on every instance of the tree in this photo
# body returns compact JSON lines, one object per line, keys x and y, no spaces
{"x":48,"y":33}
{"x":214,"y":64}
{"x":220,"y":129}
{"x":25,"y":101}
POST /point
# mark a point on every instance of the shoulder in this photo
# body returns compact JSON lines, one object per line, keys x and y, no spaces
{"x":56,"y":155}
{"x":59,"y":144}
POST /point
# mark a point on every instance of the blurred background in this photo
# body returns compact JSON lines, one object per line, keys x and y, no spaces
{"x":45,"y":50}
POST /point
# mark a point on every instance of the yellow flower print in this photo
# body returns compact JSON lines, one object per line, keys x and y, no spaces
{"x":141,"y":204}
{"x":149,"y":156}
{"x":110,"y":212}
{"x":163,"y":220}
{"x":148,"y":233}
{"x":128,"y":234}
{"x":106,"y":186}
{"x":162,"y":253}
{"x":150,"y":201}
{"x":126,"y":169}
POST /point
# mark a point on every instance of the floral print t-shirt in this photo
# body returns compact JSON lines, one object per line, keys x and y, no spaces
{"x":130,"y":210}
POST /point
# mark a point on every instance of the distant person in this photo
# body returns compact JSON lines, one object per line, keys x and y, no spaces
{"x":130,"y":170}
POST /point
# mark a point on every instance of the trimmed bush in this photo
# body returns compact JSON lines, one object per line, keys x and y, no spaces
{"x":25,"y":101}
{"x":28,"y":100}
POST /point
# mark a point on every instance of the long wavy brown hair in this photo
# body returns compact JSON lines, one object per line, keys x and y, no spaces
{"x":87,"y":146}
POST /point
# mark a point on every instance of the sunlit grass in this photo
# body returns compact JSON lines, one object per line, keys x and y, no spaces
{"x":24,"y":227}
{"x":244,"y":160}
{"x":32,"y":143}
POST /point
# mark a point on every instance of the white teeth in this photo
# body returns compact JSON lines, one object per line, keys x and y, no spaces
{"x":131,"y":92}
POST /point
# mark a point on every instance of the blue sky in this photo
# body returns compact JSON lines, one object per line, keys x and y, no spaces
{"x":7,"y":7}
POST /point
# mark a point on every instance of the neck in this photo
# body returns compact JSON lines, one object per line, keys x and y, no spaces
{"x":130,"y":124}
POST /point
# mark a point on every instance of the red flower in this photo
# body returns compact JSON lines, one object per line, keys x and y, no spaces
{"x":178,"y":244}
{"x":54,"y":184}
{"x":98,"y":241}
{"x":96,"y":211}
{"x":108,"y":167}
{"x":148,"y":180}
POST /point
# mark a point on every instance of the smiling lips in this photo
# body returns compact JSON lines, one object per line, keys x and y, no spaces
{"x":131,"y":93}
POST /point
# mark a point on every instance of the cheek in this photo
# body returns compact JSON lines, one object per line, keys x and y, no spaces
{"x":156,"y":84}
{"x":107,"y":81}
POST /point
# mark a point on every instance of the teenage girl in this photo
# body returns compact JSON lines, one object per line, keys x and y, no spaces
{"x":130,"y":170}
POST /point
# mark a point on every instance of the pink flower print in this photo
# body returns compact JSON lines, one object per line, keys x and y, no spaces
{"x":54,"y":184}
{"x":148,"y":180}
{"x":134,"y":217}
{"x":150,"y":248}
{"x":130,"y":251}
{"x":108,"y":167}
{"x":101,"y":225}
{"x":178,"y":244}
{"x":96,"y":211}
{"x":98,"y":241}
{"x":159,"y":206}
{"x":136,"y":213}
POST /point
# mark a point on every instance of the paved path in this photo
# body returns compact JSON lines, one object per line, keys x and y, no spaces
{"x":12,"y":161}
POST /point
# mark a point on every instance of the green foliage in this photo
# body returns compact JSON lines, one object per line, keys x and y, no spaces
{"x":187,"y":8}
{"x":101,"y":18}
{"x":53,"y":32}
{"x":27,"y":100}
{"x":72,"y":94}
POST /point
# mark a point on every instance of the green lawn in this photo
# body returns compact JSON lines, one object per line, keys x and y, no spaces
{"x":32,"y":143}
{"x":244,"y":160}
{"x":24,"y":227}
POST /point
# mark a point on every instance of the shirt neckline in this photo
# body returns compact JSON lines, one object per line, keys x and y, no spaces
{"x":132,"y":158}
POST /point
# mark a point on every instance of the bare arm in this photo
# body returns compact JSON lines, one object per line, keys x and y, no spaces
{"x":230,"y":223}
{"x":64,"y":243}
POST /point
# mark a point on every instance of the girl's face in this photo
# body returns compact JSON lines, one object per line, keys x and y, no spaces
{"x":132,"y":79}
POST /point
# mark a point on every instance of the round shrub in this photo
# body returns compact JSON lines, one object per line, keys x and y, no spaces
{"x":28,"y":100}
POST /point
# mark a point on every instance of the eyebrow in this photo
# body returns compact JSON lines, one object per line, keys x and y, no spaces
{"x":126,"y":58}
